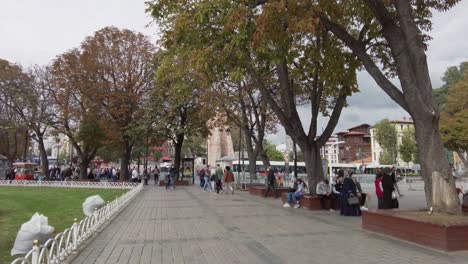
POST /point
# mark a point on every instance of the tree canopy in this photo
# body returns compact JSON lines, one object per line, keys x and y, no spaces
{"x":454,"y":118}
{"x":386,"y":136}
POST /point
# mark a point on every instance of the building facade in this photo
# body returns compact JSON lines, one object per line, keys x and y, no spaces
{"x":400,"y":126}
{"x":331,"y":150}
{"x":357,"y":143}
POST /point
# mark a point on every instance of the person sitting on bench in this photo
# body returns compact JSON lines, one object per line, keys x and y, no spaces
{"x":323,"y":192}
{"x":295,"y":196}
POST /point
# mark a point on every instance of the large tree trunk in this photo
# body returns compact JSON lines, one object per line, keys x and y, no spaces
{"x":435,"y":168}
{"x":313,"y":162}
{"x":263,"y":156}
{"x":404,"y":40}
{"x":84,"y":169}
{"x":26,"y":145}
{"x":125,"y":161}
{"x":43,"y":154}
{"x":178,"y":153}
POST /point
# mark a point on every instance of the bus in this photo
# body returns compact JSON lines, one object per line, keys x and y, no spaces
{"x":260,"y":169}
{"x":372,"y":169}
{"x":282,"y":166}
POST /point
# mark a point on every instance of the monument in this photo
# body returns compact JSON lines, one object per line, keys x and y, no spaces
{"x":219,"y":144}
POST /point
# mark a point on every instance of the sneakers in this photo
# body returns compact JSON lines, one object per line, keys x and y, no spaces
{"x":331,"y":210}
{"x":363,"y":208}
{"x":286,"y":205}
{"x":297,"y":206}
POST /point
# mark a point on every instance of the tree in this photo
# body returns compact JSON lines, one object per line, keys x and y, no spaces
{"x":14,"y":131}
{"x":408,"y":149}
{"x":290,"y":63}
{"x":178,"y":103}
{"x":244,"y":106}
{"x":75,"y":114}
{"x":386,"y":135}
{"x":300,"y":156}
{"x":26,"y":95}
{"x":113,"y":69}
{"x":454,"y":118}
{"x":451,"y":76}
{"x":391,"y":34}
{"x":272,"y":152}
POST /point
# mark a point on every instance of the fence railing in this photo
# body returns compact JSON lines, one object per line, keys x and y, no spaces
{"x":71,"y":184}
{"x":57,"y":249}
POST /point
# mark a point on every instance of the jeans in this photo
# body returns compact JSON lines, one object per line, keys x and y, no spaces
{"x":170,"y":181}
{"x":207,"y":183}
{"x":293,"y":196}
{"x":202,"y":181}
{"x":219,"y":186}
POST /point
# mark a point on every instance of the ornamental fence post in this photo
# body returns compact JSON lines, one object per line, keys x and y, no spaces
{"x":35,"y":252}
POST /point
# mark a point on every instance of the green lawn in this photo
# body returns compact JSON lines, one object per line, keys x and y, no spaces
{"x":60,"y":205}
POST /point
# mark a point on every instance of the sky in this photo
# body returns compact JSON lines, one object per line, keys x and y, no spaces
{"x":34,"y":32}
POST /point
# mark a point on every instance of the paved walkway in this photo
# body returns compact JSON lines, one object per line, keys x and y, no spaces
{"x":189,"y":226}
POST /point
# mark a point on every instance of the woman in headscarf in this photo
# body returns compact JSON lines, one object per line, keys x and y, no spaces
{"x":349,"y":190}
{"x":388,"y":187}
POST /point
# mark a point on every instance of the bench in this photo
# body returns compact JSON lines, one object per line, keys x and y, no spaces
{"x":313,"y":202}
{"x":260,"y":189}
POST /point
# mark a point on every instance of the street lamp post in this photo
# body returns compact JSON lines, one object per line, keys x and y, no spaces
{"x":330,"y":164}
{"x":295,"y":159}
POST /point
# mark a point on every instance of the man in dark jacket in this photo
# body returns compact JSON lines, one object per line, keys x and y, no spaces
{"x":271,"y":182}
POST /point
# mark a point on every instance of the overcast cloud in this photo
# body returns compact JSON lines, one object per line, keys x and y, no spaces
{"x":34,"y":32}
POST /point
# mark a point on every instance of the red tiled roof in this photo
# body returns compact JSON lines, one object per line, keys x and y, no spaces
{"x":342,"y":132}
{"x":361,"y":125}
{"x":355,"y":133}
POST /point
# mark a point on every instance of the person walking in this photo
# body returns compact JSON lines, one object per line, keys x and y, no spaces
{"x":349,"y":199}
{"x":156,"y":175}
{"x":201,"y":175}
{"x":171,"y":177}
{"x":379,"y":189}
{"x":271,"y":182}
{"x":207,"y":179}
{"x":134,"y":175}
{"x":219,"y":175}
{"x":229,"y":179}
{"x":145,"y":176}
{"x":390,"y":200}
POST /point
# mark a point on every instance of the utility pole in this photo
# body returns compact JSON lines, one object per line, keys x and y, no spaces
{"x":239,"y":160}
{"x":295,"y":158}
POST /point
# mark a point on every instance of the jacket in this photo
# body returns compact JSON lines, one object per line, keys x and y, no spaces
{"x":228,"y":176}
{"x":378,"y":188}
{"x":271,"y":176}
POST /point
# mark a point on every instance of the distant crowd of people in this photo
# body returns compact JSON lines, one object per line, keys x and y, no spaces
{"x":216,"y":179}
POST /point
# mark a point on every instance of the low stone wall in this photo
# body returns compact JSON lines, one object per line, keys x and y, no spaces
{"x":443,"y":237}
{"x":260,"y":189}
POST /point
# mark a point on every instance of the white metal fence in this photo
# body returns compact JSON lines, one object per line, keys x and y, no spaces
{"x":57,"y":249}
{"x":71,"y":184}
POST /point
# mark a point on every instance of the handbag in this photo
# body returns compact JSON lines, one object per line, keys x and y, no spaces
{"x":353,"y":200}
